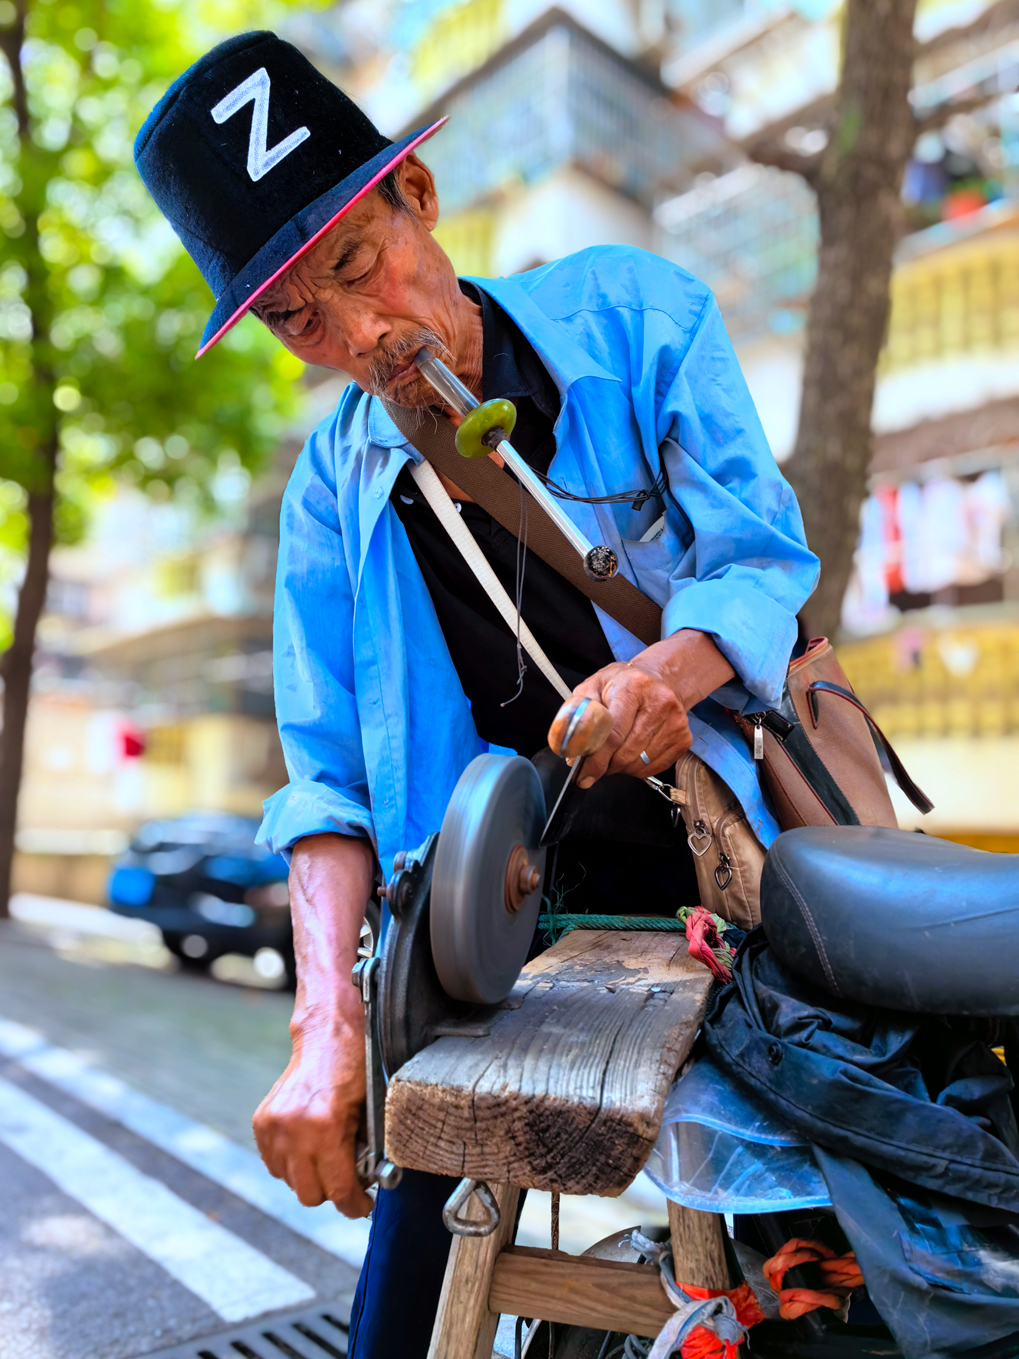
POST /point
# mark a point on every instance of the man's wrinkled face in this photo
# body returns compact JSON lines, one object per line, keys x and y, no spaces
{"x":372,"y":291}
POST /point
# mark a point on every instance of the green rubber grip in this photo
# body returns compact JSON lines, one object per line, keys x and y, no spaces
{"x":495,"y":414}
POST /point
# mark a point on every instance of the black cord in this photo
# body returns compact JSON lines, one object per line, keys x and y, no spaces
{"x":638,"y":499}
{"x":518,"y":1338}
{"x":605,"y":1344}
{"x":521,"y":567}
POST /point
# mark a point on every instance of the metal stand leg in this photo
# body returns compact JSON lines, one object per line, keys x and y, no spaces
{"x":698,"y":1253}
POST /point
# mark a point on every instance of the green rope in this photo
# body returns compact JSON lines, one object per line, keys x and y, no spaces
{"x":556,"y":925}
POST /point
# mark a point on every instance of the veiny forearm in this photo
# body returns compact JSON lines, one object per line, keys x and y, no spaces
{"x":331,"y":880}
{"x":689,"y":663}
{"x":307,"y":1126}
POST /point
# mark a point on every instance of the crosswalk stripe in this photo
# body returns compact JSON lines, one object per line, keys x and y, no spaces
{"x":232,"y":1277}
{"x":196,"y":1144}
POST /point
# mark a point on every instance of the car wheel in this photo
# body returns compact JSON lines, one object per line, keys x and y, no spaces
{"x":185,"y":948}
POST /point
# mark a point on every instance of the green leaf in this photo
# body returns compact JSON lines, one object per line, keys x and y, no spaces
{"x":101,"y":310}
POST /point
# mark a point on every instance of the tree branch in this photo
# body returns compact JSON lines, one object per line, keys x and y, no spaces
{"x":988,"y":23}
{"x":11,"y":42}
{"x":940,"y":114}
{"x":771,"y":151}
{"x":768,"y":146}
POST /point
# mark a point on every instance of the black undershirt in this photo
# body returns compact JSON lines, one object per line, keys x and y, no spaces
{"x":563,"y":619}
{"x":653,"y":877}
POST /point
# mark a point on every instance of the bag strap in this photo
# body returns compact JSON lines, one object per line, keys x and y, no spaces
{"x":432,"y":435}
{"x":916,"y":795}
{"x":435,"y":493}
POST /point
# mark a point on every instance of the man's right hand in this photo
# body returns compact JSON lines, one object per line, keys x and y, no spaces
{"x":307,"y":1126}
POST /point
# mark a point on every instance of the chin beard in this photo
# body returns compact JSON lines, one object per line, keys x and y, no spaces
{"x":417,"y":392}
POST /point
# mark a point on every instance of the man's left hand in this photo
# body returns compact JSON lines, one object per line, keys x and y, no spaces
{"x":649,"y":699}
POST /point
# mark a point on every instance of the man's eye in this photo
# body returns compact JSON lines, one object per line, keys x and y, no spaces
{"x":301,"y":327}
{"x":362,"y":275}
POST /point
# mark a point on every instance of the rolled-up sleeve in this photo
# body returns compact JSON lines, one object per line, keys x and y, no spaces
{"x":313,"y":665}
{"x":746,"y":569}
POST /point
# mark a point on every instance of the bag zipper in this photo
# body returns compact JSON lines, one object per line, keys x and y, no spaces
{"x":758,"y":722}
{"x":723,"y":870}
{"x":777,"y":724}
{"x":700,"y":831}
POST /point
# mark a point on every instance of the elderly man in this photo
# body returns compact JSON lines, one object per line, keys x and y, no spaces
{"x":393,"y":668}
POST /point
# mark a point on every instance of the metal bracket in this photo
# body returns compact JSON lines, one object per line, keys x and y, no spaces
{"x":372,"y":1163}
{"x":408,"y":872}
{"x":452,"y":1218}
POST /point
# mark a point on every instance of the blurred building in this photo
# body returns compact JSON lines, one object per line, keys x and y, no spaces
{"x":931,"y":621}
{"x":620,"y":121}
{"x":630,"y":121}
{"x":153,"y":687}
{"x":561,"y":134}
{"x":153,"y":693}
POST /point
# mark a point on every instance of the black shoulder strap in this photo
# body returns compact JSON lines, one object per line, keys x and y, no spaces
{"x":432,"y":435}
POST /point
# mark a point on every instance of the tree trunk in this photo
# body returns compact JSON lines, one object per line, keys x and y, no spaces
{"x":858,"y":183}
{"x":16,"y":666}
{"x":17,"y":672}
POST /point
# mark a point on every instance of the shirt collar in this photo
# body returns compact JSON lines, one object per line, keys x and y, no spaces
{"x":563,"y":357}
{"x":383,"y":432}
{"x":500,"y":372}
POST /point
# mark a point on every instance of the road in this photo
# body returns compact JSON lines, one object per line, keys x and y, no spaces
{"x":138,"y":1216}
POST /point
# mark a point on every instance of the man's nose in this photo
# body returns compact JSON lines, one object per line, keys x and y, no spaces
{"x":362,"y":331}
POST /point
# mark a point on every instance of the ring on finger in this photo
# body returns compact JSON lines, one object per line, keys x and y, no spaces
{"x":645,"y":757}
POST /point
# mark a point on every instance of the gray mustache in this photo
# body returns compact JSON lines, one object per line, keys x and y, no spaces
{"x":381,"y":369}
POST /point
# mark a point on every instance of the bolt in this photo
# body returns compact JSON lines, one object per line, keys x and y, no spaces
{"x":529,"y":879}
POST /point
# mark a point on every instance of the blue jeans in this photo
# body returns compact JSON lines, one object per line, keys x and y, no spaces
{"x":401,"y":1278}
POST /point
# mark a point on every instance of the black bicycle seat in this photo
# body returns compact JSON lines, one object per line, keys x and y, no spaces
{"x":896,"y":919}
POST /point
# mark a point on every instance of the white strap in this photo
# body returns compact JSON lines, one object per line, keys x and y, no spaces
{"x":446,"y":512}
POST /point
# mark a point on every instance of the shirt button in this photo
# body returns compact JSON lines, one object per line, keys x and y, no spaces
{"x":378,"y":492}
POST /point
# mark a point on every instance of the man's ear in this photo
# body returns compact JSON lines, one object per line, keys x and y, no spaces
{"x":418,"y":185}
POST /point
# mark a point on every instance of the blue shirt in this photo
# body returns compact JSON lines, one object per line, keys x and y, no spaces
{"x":374,"y":724}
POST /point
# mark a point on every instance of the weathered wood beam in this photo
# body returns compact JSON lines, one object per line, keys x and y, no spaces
{"x":579,"y":1291}
{"x":566,"y":1091}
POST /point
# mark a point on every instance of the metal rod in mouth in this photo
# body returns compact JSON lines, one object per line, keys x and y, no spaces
{"x":447,"y":384}
{"x":599,"y":562}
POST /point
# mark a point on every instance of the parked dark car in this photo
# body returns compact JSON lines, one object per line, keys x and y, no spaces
{"x":208,"y":887}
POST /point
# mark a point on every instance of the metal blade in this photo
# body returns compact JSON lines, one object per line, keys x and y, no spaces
{"x":552,"y":826}
{"x":480,"y":930}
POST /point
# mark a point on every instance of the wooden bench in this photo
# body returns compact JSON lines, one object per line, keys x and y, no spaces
{"x":561,"y":1089}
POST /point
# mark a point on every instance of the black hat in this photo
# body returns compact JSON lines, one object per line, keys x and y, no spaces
{"x":249,"y":190}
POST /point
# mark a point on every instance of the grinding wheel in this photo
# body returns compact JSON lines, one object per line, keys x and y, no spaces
{"x":486,"y":883}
